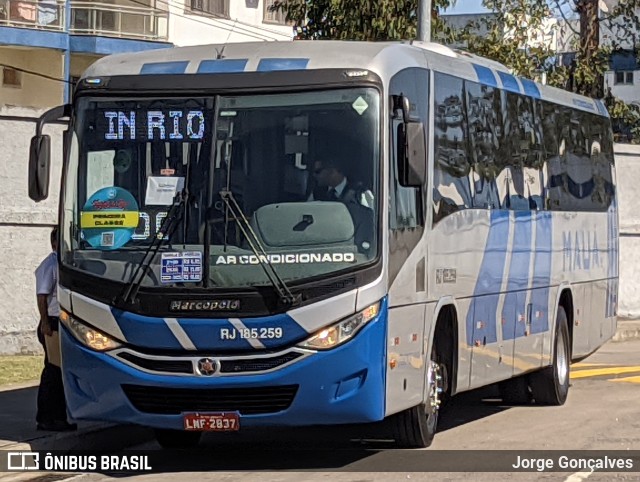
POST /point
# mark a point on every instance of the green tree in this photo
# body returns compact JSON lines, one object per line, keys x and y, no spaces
{"x":520,"y":33}
{"x":373,"y":20}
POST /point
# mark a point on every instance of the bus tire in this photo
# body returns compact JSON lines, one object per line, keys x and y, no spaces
{"x":550,"y":386}
{"x":177,"y":439}
{"x":416,"y":426}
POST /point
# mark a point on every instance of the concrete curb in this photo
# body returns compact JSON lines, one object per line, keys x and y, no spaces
{"x":19,"y":386}
{"x":627,"y":330}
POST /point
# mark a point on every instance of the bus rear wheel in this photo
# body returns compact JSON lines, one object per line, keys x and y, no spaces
{"x":177,"y":439}
{"x":416,"y":426}
{"x":550,"y":386}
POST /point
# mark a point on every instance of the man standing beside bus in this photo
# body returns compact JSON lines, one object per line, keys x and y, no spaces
{"x":52,"y":406}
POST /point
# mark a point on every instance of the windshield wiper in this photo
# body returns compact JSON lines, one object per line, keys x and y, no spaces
{"x":167,"y":229}
{"x":287,"y":298}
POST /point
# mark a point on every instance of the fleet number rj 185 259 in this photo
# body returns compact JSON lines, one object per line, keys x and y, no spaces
{"x":250,"y":333}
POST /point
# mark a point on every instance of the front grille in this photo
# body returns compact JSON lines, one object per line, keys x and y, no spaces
{"x":247,"y":401}
{"x":257,"y":364}
{"x":167,"y":366}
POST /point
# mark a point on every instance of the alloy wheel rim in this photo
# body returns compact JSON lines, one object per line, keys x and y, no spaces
{"x":561,"y":360}
{"x":434,"y":378}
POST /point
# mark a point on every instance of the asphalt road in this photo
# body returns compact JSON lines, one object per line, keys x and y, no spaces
{"x":602,"y":413}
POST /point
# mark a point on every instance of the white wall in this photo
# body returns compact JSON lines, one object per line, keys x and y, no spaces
{"x":628,"y":93}
{"x":24,"y":230}
{"x":36,"y":91}
{"x":185,"y":28}
{"x":628,"y":177}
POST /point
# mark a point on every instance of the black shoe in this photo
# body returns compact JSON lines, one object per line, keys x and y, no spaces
{"x":57,"y":426}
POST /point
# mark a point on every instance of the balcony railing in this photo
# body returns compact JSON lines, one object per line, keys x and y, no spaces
{"x":43,"y":14}
{"x":109,"y":20}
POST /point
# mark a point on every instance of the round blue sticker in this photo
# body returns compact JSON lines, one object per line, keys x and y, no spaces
{"x":109,"y":218}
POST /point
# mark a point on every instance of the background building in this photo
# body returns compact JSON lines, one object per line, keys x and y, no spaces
{"x":45,"y":45}
{"x":623,"y":76}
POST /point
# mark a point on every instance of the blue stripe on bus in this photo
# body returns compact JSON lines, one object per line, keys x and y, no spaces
{"x":583,"y":103}
{"x":509,"y":82}
{"x":165,"y":67}
{"x":514,"y":304}
{"x":481,"y":325}
{"x":530,"y":88}
{"x":222,"y":66}
{"x":542,"y":273}
{"x":485,"y":75}
{"x":146,"y":331}
{"x":268,"y":65}
{"x":205,"y":334}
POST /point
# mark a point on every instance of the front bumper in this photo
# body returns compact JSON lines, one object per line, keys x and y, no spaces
{"x":340,"y":386}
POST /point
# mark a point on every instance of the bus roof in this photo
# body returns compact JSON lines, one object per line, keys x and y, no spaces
{"x":383,"y":58}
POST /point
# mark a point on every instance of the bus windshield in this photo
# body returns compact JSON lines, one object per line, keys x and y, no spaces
{"x":302,"y":167}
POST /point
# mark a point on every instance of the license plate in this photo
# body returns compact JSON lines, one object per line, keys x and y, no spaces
{"x":212,"y":422}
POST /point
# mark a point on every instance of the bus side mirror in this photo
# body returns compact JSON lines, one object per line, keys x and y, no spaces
{"x":40,"y":154}
{"x":39,"y":167}
{"x":411,"y":155}
{"x":411,"y":144}
{"x":414,"y":172}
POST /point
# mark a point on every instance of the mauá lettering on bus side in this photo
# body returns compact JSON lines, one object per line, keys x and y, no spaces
{"x":580,"y":251}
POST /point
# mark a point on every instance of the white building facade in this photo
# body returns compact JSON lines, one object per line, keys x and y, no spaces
{"x":198,"y":22}
{"x":45,"y":45}
{"x":623,"y":76}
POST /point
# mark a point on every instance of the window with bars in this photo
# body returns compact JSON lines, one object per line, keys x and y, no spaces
{"x":219,"y":8}
{"x":271,"y":16}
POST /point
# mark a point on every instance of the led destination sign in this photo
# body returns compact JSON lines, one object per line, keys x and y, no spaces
{"x":152,"y":125}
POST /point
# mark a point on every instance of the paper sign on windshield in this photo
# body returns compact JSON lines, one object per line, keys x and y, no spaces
{"x":162,"y":190}
{"x":181,"y":267}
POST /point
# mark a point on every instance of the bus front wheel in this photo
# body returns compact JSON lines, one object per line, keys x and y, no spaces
{"x":550,"y":386}
{"x":416,"y":426}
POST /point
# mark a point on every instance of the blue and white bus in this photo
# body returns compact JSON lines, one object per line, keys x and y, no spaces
{"x":210,"y":279}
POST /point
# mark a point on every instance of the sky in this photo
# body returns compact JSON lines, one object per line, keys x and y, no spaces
{"x":475,"y":6}
{"x":466,"y":6}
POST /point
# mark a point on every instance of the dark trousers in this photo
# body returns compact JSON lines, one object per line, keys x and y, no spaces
{"x":51,"y":402}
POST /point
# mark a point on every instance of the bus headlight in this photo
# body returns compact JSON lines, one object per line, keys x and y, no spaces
{"x":89,"y":337}
{"x":342,"y":331}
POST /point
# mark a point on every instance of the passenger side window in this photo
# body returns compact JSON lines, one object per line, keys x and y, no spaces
{"x":521,"y":158}
{"x":485,"y":138}
{"x":452,"y":186}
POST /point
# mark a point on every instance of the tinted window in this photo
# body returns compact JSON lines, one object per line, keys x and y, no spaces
{"x":452,"y":189}
{"x":580,"y":174}
{"x":484,"y":108}
{"x":520,"y":180}
{"x":500,"y":150}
